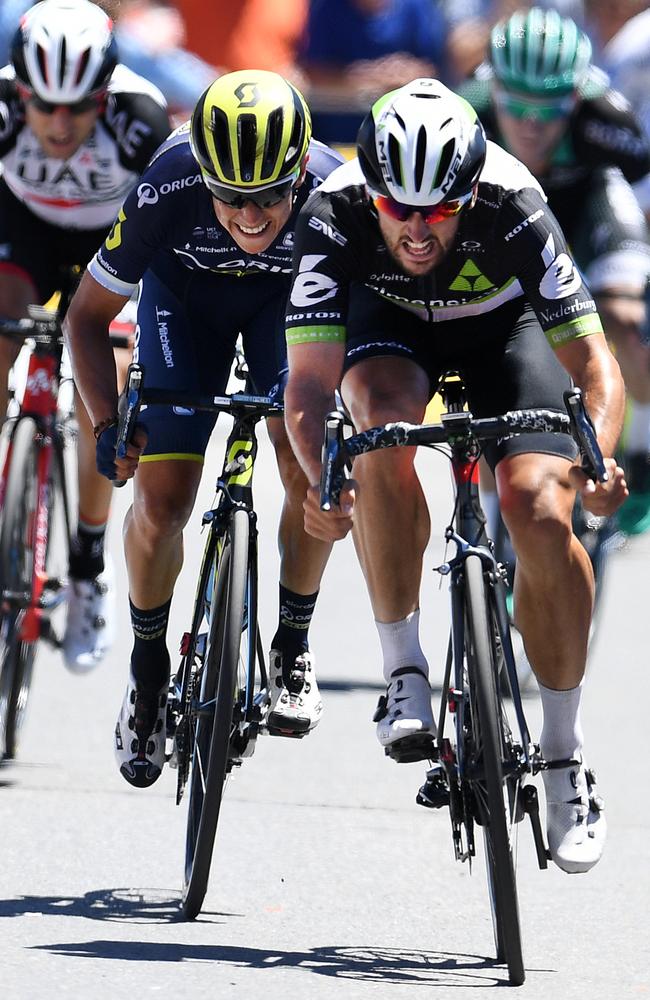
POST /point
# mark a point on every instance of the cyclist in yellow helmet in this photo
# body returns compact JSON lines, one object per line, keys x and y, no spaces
{"x":212,"y":248}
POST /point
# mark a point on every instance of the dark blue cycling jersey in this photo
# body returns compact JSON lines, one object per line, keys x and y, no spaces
{"x":193,"y":303}
{"x":168,"y":219}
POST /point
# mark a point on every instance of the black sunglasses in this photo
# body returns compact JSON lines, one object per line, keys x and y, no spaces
{"x":78,"y":108}
{"x":237,"y":199}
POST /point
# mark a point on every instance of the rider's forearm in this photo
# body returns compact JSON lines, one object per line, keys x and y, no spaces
{"x":93,"y":368}
{"x":598,"y":374}
{"x":306,"y":406}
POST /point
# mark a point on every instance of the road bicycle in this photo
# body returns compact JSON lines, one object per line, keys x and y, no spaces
{"x":35,"y":503}
{"x":219,"y":694}
{"x":482,"y":757}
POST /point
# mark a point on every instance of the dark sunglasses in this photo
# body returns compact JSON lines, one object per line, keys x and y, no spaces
{"x":78,"y":108}
{"x":430,"y":213}
{"x":237,"y":199}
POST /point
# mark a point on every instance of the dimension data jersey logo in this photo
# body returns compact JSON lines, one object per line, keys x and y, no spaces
{"x":470,"y":278}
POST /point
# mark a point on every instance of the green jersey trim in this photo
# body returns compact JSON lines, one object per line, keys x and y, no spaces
{"x":316,"y":335}
{"x":557,"y":336}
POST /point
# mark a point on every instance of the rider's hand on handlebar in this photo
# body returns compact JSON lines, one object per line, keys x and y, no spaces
{"x":601,"y":499}
{"x":119,"y":468}
{"x":331,"y":525}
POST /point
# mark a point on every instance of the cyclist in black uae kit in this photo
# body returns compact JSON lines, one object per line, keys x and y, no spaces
{"x":76,"y":130}
{"x":209,"y":231}
{"x":437,"y":250}
{"x":541,"y":98}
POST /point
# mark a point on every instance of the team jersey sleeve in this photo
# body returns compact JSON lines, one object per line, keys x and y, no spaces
{"x":536,"y":249}
{"x":138,"y":232}
{"x":608,"y":133}
{"x":318,"y":300}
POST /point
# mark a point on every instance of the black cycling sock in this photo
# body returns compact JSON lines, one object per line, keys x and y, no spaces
{"x":296,"y":610}
{"x":150,"y":657}
{"x":87,"y":551}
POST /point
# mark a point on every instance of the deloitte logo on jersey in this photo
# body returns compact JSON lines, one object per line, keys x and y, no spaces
{"x":470,"y":278}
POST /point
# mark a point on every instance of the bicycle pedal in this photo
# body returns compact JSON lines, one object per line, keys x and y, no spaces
{"x":408,"y":750}
{"x":286,"y":733}
{"x":434,"y":793}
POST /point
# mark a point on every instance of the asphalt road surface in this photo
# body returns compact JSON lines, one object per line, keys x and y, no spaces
{"x":328,"y":880}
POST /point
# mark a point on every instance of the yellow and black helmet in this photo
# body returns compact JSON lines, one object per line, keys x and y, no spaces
{"x":249,"y":131}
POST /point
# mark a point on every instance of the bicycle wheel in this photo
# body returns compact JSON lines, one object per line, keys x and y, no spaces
{"x":17,"y":541}
{"x":213,"y":715}
{"x":486,"y":758}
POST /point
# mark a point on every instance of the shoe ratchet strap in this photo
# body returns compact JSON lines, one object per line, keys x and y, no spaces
{"x":382,"y":705}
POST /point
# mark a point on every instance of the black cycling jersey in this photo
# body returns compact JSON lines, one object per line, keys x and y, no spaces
{"x":603,"y":131}
{"x":509,"y":246}
{"x":85,"y":191}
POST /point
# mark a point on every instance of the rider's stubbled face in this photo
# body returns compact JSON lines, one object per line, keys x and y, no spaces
{"x":418,"y":247}
{"x":253,"y":228}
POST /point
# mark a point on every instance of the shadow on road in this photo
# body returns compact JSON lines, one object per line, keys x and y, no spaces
{"x":373,"y":965}
{"x":150,"y":906}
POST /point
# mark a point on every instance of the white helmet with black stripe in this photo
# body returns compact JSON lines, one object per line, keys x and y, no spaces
{"x":64,"y":50}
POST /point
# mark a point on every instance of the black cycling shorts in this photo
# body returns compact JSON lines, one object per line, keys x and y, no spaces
{"x":503,"y":357}
{"x":188,"y":324}
{"x":38,"y":248}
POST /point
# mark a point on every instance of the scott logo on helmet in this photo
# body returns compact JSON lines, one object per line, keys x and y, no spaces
{"x":248,"y":95}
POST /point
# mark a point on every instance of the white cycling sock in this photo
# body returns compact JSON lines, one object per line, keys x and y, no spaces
{"x":400,"y":645}
{"x":561,"y":739}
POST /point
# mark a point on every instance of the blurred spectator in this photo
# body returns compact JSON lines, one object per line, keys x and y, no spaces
{"x":356,"y":50}
{"x":149,"y":35}
{"x":620,"y":31}
{"x":468,"y":35}
{"x":240,"y":34}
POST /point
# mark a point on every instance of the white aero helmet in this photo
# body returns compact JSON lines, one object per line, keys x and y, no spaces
{"x":421,"y":145}
{"x":64,"y":50}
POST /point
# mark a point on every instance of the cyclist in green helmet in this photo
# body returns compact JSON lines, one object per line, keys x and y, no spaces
{"x":542,"y":98}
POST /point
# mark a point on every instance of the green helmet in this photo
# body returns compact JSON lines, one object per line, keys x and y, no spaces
{"x":540,"y":53}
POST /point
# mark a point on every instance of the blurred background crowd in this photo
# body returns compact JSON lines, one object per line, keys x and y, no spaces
{"x":345,"y":53}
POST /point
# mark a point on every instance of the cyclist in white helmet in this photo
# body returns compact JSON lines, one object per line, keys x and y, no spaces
{"x":445,"y":255}
{"x":76,"y":130}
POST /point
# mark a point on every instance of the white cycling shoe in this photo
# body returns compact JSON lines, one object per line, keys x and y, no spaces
{"x":90,"y":625}
{"x":140,"y":734}
{"x":296,"y":705}
{"x":575,"y":817}
{"x":404,"y":712}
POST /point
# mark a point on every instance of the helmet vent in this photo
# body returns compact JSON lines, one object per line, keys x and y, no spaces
{"x":395,"y":160}
{"x":297,"y":135}
{"x":420,"y":156}
{"x":247,"y":143}
{"x":445,"y":162}
{"x":42,"y":63}
{"x":62,"y":62}
{"x":221,"y":141}
{"x":273,"y":143}
{"x":83,"y":62}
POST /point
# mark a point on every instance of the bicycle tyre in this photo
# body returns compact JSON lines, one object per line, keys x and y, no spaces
{"x":16,"y":564}
{"x":210,"y":756}
{"x":490,"y":789}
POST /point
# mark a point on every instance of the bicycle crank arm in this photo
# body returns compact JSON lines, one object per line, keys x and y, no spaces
{"x":531,"y":806}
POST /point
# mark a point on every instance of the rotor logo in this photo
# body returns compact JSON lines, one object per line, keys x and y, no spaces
{"x":147,"y":195}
